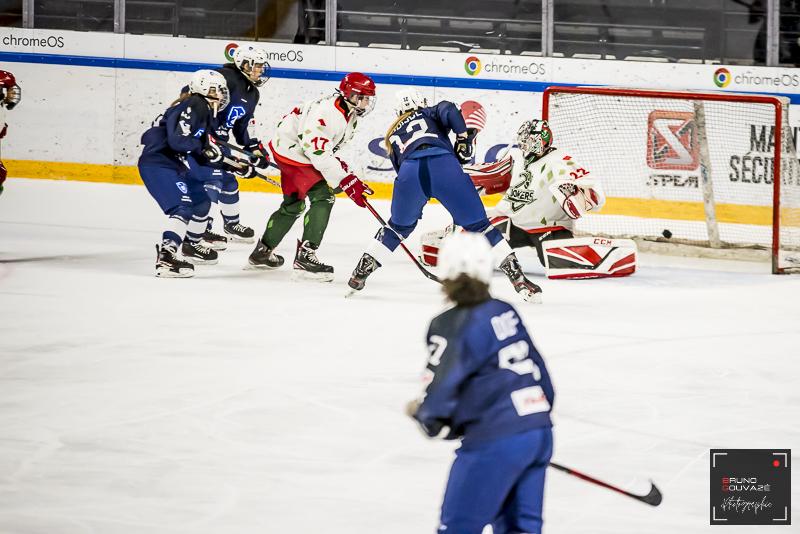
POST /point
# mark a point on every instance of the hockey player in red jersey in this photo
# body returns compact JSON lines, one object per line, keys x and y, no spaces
{"x":10,"y":96}
{"x":305,"y":146}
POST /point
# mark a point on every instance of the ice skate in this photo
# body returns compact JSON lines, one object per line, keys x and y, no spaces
{"x":529,"y":291}
{"x":365,"y":267}
{"x":198,"y":254}
{"x":169,"y":265}
{"x":308,"y":267}
{"x":263,"y":257}
{"x":239,"y":233}
{"x":215,"y":241}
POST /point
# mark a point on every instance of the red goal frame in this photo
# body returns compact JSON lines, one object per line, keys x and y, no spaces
{"x":699,"y":95}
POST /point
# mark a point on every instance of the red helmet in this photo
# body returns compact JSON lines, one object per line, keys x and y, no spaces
{"x":10,"y":92}
{"x":7,"y":79}
{"x":356,"y":83}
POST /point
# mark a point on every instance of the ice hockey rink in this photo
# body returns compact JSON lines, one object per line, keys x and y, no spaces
{"x":241,"y":402}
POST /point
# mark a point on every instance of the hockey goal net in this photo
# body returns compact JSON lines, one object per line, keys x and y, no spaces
{"x":696,"y":170}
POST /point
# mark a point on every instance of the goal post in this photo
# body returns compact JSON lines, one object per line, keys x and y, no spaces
{"x":702,"y":170}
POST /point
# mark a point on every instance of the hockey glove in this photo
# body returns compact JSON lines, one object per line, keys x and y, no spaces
{"x":213,"y":152}
{"x":247,"y":172}
{"x":261,"y":159}
{"x":465,"y":147}
{"x":355,"y":189}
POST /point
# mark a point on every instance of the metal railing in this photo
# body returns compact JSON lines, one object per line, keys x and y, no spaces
{"x":545,"y":36}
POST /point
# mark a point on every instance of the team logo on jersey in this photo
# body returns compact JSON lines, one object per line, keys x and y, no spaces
{"x":229,"y":50}
{"x":182,"y":187}
{"x":234,"y":114}
{"x":722,"y":78}
{"x":672,"y":141}
{"x":199,"y":133}
{"x":520,"y":194}
{"x":472,"y":65}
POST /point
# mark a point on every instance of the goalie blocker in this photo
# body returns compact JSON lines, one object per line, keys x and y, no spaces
{"x":563,"y":256}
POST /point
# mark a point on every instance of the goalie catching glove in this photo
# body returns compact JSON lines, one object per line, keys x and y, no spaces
{"x":577,"y":196}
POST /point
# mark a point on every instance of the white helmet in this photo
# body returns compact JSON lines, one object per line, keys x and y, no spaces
{"x":210,"y":84}
{"x":466,"y":253}
{"x":409,"y":100}
{"x":245,"y":57}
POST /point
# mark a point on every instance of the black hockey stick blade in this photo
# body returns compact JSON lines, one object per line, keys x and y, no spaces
{"x":653,"y":498}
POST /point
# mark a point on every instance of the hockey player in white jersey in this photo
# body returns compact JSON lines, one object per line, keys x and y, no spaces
{"x":545,"y":191}
{"x":305,"y":146}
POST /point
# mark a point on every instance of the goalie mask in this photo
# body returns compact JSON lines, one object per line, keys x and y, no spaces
{"x":534,"y":137}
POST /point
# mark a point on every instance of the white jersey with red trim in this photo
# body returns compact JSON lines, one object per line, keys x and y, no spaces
{"x":529,"y":202}
{"x":312,"y":134}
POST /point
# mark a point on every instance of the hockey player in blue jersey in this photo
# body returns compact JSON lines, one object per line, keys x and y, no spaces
{"x":489,"y":387}
{"x":181,"y":133}
{"x":249,"y":71}
{"x":429,"y":166}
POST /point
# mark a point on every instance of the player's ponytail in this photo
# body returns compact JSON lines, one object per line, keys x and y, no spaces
{"x":465,"y":290}
{"x":390,"y":131}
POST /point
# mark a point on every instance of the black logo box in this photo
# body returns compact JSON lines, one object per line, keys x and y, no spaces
{"x":750,"y":487}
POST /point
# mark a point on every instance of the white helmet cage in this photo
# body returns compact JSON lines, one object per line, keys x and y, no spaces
{"x":246,"y":56}
{"x":409,"y":100}
{"x":210,"y":84}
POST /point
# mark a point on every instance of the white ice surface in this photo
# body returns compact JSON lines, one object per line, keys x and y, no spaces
{"x":241,"y":402}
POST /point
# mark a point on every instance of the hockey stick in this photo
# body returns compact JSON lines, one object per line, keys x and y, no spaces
{"x":653,"y":498}
{"x":249,"y":156}
{"x":429,"y":275}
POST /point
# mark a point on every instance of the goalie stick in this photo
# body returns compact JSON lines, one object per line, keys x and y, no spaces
{"x":429,"y":275}
{"x":653,"y":498}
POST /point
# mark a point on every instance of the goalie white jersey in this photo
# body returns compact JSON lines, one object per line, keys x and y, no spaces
{"x":548,"y":192}
{"x":312,"y":134}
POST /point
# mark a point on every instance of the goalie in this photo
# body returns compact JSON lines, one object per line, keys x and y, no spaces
{"x":545,"y":191}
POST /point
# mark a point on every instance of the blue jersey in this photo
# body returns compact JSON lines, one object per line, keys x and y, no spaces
{"x":236,"y":116}
{"x":425,"y":133}
{"x":181,"y":130}
{"x":488,"y":379}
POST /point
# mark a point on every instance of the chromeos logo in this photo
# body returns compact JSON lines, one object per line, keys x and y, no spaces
{"x":229,"y":50}
{"x":472,"y":65}
{"x":722,"y":78}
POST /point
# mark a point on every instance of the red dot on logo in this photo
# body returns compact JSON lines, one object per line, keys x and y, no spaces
{"x":776,"y":463}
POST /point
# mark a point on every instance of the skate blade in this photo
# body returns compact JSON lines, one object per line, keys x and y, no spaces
{"x":196,"y":261}
{"x":183,"y":273}
{"x":238,"y":239}
{"x":252,"y":267}
{"x":351,"y":292}
{"x":216,"y":246}
{"x":300,"y":276}
{"x":533,"y":298}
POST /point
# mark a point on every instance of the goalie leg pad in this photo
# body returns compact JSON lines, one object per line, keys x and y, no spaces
{"x":589,"y":257}
{"x":431,"y":243}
